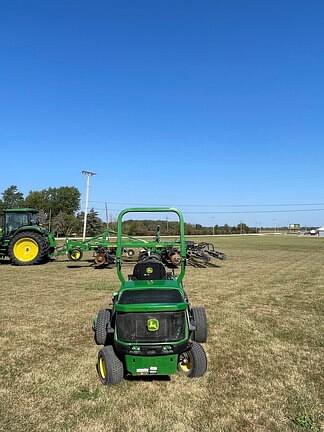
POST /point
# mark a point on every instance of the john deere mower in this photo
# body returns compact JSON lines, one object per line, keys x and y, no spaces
{"x":151,"y":328}
{"x":22,"y":239}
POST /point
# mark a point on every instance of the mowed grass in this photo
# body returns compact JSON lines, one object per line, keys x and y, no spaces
{"x":265,"y":349}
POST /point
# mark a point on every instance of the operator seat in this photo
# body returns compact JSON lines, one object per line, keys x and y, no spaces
{"x":149,"y":269}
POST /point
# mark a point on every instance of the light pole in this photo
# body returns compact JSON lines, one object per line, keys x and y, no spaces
{"x":88,"y":174}
{"x":213,"y":224}
{"x":107,"y":215}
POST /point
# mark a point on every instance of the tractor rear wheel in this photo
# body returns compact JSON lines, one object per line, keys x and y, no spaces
{"x":110,"y":369}
{"x":101,"y":335}
{"x":200,"y":318}
{"x":27,"y":248}
{"x":75,"y":254}
{"x":193,"y":363}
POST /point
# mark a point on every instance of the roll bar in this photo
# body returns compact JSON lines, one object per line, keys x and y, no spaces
{"x":121,"y":244}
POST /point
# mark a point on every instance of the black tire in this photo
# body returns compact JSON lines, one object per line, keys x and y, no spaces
{"x":110,"y":369}
{"x":200,"y":318}
{"x":101,"y":335}
{"x":193,"y":363}
{"x":75,"y":254}
{"x":34,"y":237}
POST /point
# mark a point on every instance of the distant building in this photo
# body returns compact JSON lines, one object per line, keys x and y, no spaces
{"x":294,"y":228}
{"x":320,"y":231}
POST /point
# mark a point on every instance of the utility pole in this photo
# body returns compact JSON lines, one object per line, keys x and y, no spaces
{"x":107,"y":215}
{"x":88,"y":174}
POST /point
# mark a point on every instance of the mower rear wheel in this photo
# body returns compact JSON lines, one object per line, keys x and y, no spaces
{"x":101,"y":335}
{"x":75,"y":254}
{"x":28,"y":248}
{"x":110,"y":369}
{"x":193,"y":363}
{"x":200,"y":318}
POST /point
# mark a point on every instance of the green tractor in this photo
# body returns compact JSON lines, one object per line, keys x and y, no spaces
{"x":151,"y":328}
{"x":22,"y":239}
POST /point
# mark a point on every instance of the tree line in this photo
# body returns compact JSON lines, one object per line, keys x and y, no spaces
{"x":148,"y":227}
{"x":59,"y":210}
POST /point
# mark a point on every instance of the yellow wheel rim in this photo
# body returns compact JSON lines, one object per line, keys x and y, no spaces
{"x":185,"y":364}
{"x":102,"y":368}
{"x":75,"y":254}
{"x":26,"y":249}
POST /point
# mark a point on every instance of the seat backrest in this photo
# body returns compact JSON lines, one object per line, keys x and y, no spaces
{"x":149,"y":269}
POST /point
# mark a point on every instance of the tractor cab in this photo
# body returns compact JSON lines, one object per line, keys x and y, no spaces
{"x":14,"y":219}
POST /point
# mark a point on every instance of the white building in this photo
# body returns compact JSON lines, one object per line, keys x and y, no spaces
{"x":320,"y":231}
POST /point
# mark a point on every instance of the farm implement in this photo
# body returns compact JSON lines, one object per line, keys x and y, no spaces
{"x":151,"y":328}
{"x":202,"y":254}
{"x":102,"y":246}
{"x":25,"y":242}
{"x":104,"y":251}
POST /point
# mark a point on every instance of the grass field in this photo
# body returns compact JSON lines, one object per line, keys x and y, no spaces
{"x":265,"y":349}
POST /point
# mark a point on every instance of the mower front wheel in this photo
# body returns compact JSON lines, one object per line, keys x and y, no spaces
{"x":200,"y":318}
{"x":193,"y":363}
{"x":101,"y":335}
{"x":110,"y":369}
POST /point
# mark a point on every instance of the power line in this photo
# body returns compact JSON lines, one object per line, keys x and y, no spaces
{"x":212,"y":205}
{"x":257,"y":211}
{"x":236,"y":212}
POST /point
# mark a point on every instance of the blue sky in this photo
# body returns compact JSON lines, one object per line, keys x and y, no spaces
{"x":184,"y":103}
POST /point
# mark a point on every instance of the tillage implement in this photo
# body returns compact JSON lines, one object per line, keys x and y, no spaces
{"x":151,"y":328}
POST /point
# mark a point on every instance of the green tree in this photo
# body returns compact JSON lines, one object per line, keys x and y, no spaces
{"x":131,"y":228}
{"x":64,"y":199}
{"x":58,"y":224}
{"x":65,"y":224}
{"x":12,"y":198}
{"x":95,"y":226}
{"x":42,"y":218}
{"x":243,"y":228}
{"x":226,"y":229}
{"x":38,"y":200}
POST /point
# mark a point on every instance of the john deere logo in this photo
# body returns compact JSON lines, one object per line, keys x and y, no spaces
{"x":149,"y":270}
{"x":153,"y":325}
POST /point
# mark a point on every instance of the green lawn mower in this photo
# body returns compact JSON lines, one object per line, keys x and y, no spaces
{"x":151,"y":328}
